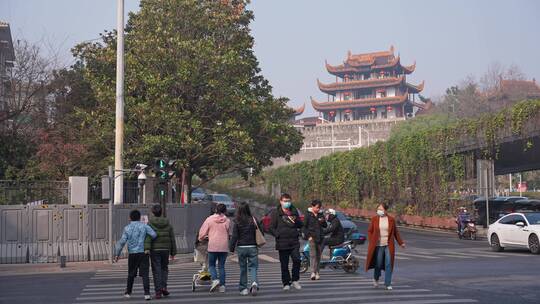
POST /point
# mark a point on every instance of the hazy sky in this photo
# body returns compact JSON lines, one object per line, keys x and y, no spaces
{"x":448,"y":39}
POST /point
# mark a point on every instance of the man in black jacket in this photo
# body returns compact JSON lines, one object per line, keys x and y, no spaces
{"x":313,"y":231}
{"x":284,"y":225}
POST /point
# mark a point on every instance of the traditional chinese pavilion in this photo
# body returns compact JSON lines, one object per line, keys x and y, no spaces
{"x":370,"y":86}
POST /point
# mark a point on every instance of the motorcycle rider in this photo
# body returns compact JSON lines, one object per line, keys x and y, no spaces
{"x":462,"y":218}
{"x":334,"y":230}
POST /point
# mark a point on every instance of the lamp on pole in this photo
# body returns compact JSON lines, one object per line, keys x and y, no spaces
{"x":119,"y":127}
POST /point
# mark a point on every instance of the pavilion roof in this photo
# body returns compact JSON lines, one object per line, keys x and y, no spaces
{"x":360,"y":84}
{"x":369,"y":61}
{"x":358,"y":103}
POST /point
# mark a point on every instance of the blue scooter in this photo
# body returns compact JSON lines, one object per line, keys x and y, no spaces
{"x":341,"y":258}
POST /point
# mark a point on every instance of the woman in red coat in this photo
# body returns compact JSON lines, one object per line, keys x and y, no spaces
{"x":381,"y":249}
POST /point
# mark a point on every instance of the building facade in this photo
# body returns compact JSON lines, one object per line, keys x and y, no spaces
{"x":370,"y":86}
{"x":7,"y":58}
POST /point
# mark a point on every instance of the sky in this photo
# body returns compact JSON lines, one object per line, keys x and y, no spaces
{"x":449,"y":40}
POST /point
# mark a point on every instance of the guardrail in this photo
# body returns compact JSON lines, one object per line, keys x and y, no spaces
{"x":43,"y":233}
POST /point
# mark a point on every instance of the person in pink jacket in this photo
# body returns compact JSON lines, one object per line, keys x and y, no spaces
{"x":216,"y":229}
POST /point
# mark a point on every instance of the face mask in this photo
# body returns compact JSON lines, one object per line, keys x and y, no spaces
{"x":380,"y":213}
{"x":286,"y":205}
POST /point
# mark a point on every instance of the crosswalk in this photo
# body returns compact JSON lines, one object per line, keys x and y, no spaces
{"x":107,"y":286}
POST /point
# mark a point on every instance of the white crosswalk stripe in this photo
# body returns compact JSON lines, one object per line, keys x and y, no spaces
{"x":107,"y":286}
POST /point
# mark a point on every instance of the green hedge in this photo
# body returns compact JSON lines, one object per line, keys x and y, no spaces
{"x":414,"y":171}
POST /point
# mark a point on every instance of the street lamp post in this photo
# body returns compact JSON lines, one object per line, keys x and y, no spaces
{"x":119,"y":127}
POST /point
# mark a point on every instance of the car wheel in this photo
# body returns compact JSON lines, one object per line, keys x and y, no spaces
{"x":495,"y":243}
{"x":534,"y":244}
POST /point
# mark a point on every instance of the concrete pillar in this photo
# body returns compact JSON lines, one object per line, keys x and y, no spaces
{"x":78,"y":190}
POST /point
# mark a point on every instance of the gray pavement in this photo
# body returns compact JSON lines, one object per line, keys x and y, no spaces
{"x":436,"y":267}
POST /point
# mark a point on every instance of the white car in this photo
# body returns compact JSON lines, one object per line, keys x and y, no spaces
{"x":521,"y":230}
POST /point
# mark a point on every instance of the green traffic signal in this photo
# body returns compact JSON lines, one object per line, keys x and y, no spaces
{"x":162,"y":163}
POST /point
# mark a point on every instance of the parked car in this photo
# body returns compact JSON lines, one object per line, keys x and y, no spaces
{"x":222,"y":199}
{"x":498,"y":206}
{"x":197,"y":194}
{"x":527,"y":205}
{"x":265,"y":220}
{"x":521,"y":230}
{"x":346,"y":223}
{"x":351,"y":230}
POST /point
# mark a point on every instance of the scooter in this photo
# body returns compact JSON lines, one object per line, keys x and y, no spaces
{"x":469,"y":231}
{"x":341,"y":258}
{"x":355,"y":237}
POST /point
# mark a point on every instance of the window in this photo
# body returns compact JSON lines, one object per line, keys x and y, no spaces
{"x":222,"y":198}
{"x":508,"y":220}
{"x":534,"y":218}
{"x":520,"y":218}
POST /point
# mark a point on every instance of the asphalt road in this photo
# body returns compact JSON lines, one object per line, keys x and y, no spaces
{"x":434,"y":268}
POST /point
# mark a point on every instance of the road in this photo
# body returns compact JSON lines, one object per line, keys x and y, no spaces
{"x":434,"y":268}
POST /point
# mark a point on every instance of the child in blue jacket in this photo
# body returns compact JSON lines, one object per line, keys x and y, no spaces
{"x":134,"y":235}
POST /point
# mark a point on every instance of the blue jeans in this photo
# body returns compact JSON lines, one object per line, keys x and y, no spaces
{"x":383,"y":259}
{"x":220,"y":258}
{"x":248,"y":260}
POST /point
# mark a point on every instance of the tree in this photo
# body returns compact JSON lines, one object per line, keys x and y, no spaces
{"x":26,"y":107}
{"x":193,"y":90}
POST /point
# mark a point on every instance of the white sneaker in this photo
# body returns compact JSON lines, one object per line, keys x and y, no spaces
{"x":313,"y":276}
{"x":127,"y":295}
{"x":222,"y":289}
{"x":296,"y":285}
{"x":244,"y":292}
{"x":286,"y":287}
{"x":254,"y":289}
{"x":317,"y":276}
{"x":147,"y":297}
{"x":215,"y":284}
{"x":375,"y":283}
{"x":388,"y":287}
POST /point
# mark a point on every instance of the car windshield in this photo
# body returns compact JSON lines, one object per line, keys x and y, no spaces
{"x":198,"y":191}
{"x":341,"y":216}
{"x":222,"y":198}
{"x":533,"y":218}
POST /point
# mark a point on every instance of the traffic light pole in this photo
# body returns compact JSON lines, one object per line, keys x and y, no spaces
{"x":163,"y":196}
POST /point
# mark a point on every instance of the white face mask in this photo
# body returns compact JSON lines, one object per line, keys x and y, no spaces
{"x":380,"y":213}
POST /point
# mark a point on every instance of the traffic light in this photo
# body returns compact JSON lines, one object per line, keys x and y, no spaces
{"x":164,"y":169}
{"x":161,"y":167}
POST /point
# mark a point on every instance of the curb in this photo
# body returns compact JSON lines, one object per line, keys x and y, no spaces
{"x":75,"y":267}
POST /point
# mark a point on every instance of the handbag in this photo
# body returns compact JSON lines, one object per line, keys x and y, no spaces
{"x":259,"y":237}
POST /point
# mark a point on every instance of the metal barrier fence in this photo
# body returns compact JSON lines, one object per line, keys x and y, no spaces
{"x":27,"y":192}
{"x":15,"y":192}
{"x":40,"y":234}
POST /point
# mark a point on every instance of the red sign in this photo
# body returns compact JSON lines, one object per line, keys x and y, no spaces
{"x":522,"y":187}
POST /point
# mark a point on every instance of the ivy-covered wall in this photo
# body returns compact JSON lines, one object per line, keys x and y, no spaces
{"x":413,"y":170}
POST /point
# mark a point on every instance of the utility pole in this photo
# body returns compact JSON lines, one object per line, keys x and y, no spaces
{"x":510,"y":183}
{"x":119,"y":130}
{"x":111,"y":182}
{"x":520,"y":186}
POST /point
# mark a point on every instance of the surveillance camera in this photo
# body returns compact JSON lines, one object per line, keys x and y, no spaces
{"x":140,"y":167}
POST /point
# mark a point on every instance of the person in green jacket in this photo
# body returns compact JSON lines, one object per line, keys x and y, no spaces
{"x":160,"y":248}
